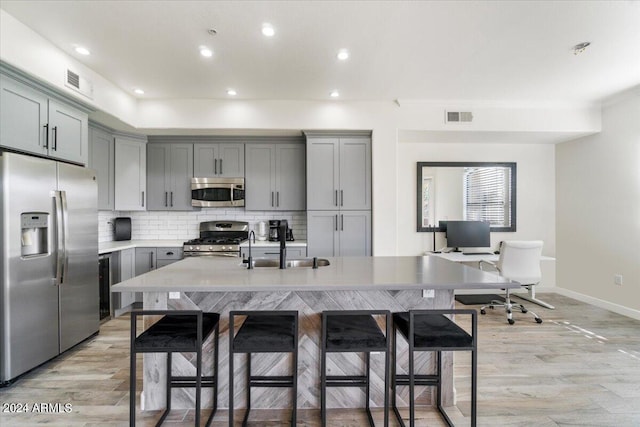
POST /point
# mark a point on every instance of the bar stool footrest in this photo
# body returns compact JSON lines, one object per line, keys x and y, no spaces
{"x":182,"y":382}
{"x":421,"y":380}
{"x":346,"y":381}
{"x":271,"y":381}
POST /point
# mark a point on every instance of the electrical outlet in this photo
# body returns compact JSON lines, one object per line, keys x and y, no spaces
{"x":617,"y":279}
{"x":428,"y":293}
{"x":174,"y":295}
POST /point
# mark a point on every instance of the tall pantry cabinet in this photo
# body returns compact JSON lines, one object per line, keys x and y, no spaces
{"x":338,"y":194}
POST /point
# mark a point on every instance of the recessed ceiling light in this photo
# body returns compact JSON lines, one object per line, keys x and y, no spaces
{"x":82,"y":50}
{"x":268,"y":30}
{"x":139,"y":91}
{"x":343,"y":54}
{"x":335,"y":94}
{"x":231,"y":92}
{"x":206,"y":52}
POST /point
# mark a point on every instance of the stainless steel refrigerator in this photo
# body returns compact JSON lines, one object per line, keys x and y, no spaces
{"x":49,"y":270}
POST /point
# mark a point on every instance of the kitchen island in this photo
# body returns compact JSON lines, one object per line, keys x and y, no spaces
{"x":220,"y":284}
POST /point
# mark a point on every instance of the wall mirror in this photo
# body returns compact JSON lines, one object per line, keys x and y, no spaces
{"x":468,"y":191}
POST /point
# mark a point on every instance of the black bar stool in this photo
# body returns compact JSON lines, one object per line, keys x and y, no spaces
{"x":354,"y":332}
{"x":264,"y":332}
{"x":430,"y":330}
{"x":177,"y":331}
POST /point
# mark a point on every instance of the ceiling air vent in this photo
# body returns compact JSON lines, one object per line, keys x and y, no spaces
{"x":458,"y":116}
{"x":78,"y":83}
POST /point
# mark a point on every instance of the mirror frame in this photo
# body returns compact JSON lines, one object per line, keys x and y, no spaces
{"x":510,"y":165}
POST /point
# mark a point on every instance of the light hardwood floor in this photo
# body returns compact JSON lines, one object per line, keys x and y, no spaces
{"x":581,"y":367}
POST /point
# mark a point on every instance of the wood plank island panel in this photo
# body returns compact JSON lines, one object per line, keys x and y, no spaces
{"x":309,"y":304}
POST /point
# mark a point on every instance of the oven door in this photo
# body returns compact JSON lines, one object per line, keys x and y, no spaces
{"x":217,"y":192}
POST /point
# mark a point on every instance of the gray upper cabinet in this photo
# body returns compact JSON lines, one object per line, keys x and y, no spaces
{"x":102,"y":160}
{"x":339,"y":173}
{"x":35,"y":123}
{"x":130,"y":174}
{"x":169,"y":173}
{"x":218,"y":160}
{"x":275,"y":177}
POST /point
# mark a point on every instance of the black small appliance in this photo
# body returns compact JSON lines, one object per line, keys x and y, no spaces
{"x":274,"y":230}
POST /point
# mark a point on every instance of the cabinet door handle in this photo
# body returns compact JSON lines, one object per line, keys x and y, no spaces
{"x":55,"y":138}
{"x":169,"y":253}
{"x":220,"y":166}
{"x":336,"y":222}
{"x":341,"y":222}
{"x":341,"y":197}
{"x":151,"y":260}
{"x":172,"y":199}
{"x":277,"y":199}
{"x":143,"y":199}
{"x":336,"y":198}
{"x":215,"y":166}
{"x":272,"y":199}
{"x":46,"y":135}
{"x":165,"y":199}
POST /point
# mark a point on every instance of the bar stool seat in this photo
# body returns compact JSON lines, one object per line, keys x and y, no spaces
{"x":176,"y":331}
{"x":354,"y":331}
{"x":431,"y":330}
{"x":264,"y":332}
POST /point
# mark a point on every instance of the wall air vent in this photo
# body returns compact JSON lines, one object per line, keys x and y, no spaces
{"x":458,"y":116}
{"x":78,"y":83}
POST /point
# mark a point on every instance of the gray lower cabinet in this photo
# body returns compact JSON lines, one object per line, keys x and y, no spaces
{"x":169,"y":173}
{"x":275,"y":177}
{"x":145,"y":260}
{"x":339,"y":173}
{"x":338,"y":233}
{"x":127,"y":270}
{"x":274,"y":252}
{"x":33,"y":122}
{"x":102,"y":160}
{"x":218,"y":160}
{"x":166,"y":256}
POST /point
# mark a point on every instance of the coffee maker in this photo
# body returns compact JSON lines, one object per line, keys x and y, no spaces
{"x":274,"y":230}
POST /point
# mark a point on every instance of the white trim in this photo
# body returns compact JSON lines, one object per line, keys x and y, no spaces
{"x":616,"y":308}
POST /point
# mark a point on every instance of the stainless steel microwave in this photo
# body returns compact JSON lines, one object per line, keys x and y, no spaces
{"x":217,"y":192}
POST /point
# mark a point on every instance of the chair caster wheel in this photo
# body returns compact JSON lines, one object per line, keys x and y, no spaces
{"x":508,"y":311}
{"x":511,"y":321}
{"x":524,"y":310}
{"x":538,"y":320}
{"x":483,"y":312}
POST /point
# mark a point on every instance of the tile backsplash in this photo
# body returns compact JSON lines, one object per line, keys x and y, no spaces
{"x":156,"y":225}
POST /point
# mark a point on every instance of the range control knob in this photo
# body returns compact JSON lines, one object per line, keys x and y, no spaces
{"x":210,"y":248}
{"x":190,"y":248}
{"x":197,"y":248}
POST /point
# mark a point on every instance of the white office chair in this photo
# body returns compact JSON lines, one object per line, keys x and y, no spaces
{"x":519,"y":261}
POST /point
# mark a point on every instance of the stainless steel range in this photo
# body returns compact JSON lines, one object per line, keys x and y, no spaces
{"x":218,"y":238}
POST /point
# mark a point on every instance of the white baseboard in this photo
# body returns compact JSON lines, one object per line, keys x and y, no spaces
{"x":616,"y":308}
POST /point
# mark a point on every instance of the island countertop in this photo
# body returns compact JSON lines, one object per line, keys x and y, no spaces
{"x":221,"y":274}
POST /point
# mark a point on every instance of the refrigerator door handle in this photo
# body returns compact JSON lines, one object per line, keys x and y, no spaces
{"x":65,"y":222}
{"x":60,"y":255}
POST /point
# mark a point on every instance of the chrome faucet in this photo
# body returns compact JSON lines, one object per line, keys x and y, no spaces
{"x":250,"y":260}
{"x":282,"y":235}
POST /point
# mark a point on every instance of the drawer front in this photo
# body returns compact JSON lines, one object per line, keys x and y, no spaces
{"x":169,"y":253}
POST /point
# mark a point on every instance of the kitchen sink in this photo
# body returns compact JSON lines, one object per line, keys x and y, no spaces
{"x":291,"y":263}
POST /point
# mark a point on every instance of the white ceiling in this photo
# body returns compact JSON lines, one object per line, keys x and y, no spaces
{"x":482,"y":51}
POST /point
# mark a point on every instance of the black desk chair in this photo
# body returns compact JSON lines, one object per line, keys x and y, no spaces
{"x":177,"y":331}
{"x":430,"y":330}
{"x":354,"y":332}
{"x":264,"y":332}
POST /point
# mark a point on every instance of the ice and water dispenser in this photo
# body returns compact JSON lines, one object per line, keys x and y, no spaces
{"x":35,"y":232}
